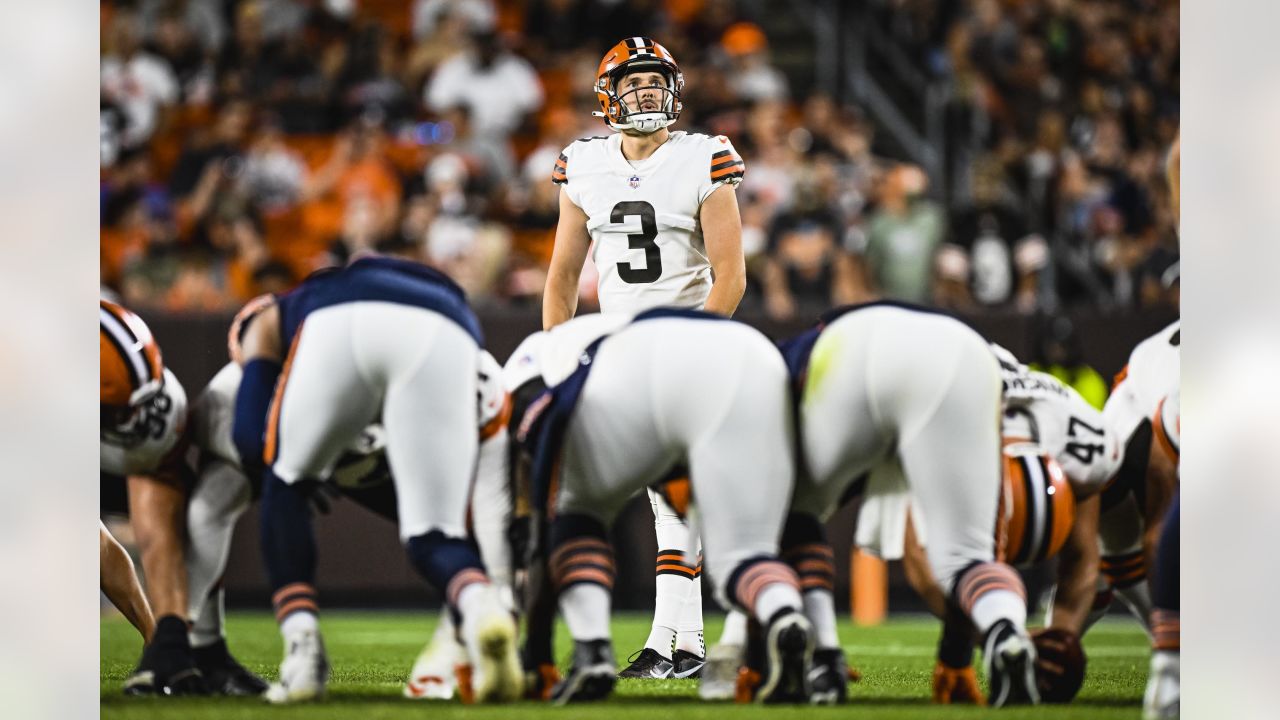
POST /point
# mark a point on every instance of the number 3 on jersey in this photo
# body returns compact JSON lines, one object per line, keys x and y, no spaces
{"x":644,"y":240}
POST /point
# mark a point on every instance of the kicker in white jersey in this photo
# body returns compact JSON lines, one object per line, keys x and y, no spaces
{"x":643,"y":217}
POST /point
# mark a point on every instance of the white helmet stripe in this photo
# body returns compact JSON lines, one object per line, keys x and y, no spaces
{"x":1036,"y":484}
{"x":130,"y":347}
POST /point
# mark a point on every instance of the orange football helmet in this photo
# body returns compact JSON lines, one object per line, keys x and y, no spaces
{"x":132,"y":369}
{"x":638,"y":54}
{"x":1037,"y":506}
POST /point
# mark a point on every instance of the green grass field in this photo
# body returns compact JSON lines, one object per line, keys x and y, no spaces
{"x":371,"y":653}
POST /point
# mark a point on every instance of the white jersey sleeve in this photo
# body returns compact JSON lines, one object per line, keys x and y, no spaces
{"x":525,"y":363}
{"x":644,"y":216}
{"x":565,"y":343}
{"x":1153,"y":368}
{"x":151,"y":435}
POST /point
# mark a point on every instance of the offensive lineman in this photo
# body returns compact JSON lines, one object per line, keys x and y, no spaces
{"x":884,"y":380}
{"x":144,"y":419}
{"x":631,"y":401}
{"x":379,"y":338}
{"x":649,"y":205}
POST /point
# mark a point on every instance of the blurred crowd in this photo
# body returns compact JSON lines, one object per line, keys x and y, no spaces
{"x":246,"y":143}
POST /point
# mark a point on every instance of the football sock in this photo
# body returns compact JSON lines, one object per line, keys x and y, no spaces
{"x":288,"y":540}
{"x":989,"y":592}
{"x":448,"y":563}
{"x":820,"y":608}
{"x":586,"y":611}
{"x":301,"y":621}
{"x":774,"y":597}
{"x":582,"y":569}
{"x":689,"y":635}
{"x":735,"y":629}
{"x":208,"y":629}
{"x":675,"y":576}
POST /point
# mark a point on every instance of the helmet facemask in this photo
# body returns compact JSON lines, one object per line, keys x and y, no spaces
{"x":645,"y":108}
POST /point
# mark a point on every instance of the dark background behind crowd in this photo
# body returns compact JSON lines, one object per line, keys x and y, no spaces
{"x":248,"y":142}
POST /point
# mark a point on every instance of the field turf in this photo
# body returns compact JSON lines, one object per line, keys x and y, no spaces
{"x":371,"y":653}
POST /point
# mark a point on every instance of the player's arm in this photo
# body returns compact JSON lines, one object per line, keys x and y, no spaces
{"x":261,"y":354}
{"x":1078,"y":570}
{"x":722,"y":233}
{"x":120,"y":584}
{"x":560,"y":297}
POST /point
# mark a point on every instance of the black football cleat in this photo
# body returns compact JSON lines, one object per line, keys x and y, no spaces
{"x":167,"y":667}
{"x":648,"y":664}
{"x":788,"y":645}
{"x":223,"y":675}
{"x":1010,"y":657}
{"x":592,"y":676}
{"x":686,"y":665}
{"x":829,"y":677}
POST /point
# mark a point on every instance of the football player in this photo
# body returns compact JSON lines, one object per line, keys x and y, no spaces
{"x":632,"y":402}
{"x":658,"y":212}
{"x":1059,"y":454}
{"x":143,"y":411}
{"x":888,"y":380}
{"x":384,"y":338}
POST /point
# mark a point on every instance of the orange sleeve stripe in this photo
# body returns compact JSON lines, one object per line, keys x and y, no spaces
{"x":271,"y":447}
{"x":677,"y":568}
{"x":725,"y":161}
{"x":735,"y":168}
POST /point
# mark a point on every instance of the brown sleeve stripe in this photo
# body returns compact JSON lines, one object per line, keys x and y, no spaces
{"x":461,"y":581}
{"x":559,"y":173}
{"x":725,"y":161}
{"x":721,"y":154}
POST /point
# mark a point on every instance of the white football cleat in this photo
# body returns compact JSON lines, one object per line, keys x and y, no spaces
{"x":1163,"y":696}
{"x":491,"y":638}
{"x":720,"y":673}
{"x":433,"y":676}
{"x":304,"y":671}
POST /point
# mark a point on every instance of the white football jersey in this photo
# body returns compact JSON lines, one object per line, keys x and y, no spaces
{"x":644,"y":217}
{"x":1153,"y":369}
{"x":152,"y":433}
{"x":1040,"y":407}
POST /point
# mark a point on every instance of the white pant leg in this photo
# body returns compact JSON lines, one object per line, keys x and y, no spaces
{"x":324,"y":402}
{"x":426,"y":365}
{"x":731,"y":413}
{"x":946,"y":410}
{"x":220,"y":497}
{"x":840,"y":437}
{"x":612,"y":445}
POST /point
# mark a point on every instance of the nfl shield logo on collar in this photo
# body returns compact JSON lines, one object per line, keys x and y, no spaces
{"x":635,"y":181}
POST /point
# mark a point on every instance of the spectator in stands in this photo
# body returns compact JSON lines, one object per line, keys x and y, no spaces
{"x":990,"y":260}
{"x":430,"y":15}
{"x":805,"y":266}
{"x":276,"y":176}
{"x":370,"y":79}
{"x":901,"y":237}
{"x":446,"y":38}
{"x":174,"y":42}
{"x":751,"y":76}
{"x":139,"y":83}
{"x":498,"y":88}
